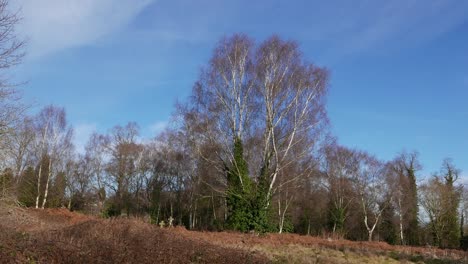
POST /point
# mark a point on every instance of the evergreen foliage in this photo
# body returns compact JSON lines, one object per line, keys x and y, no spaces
{"x":412,"y":230}
{"x":452,"y":231}
{"x":27,"y":187}
{"x":337,"y":217}
{"x":248,"y":203}
{"x":6,"y":182}
{"x":239,"y":192}
{"x":387,"y":226}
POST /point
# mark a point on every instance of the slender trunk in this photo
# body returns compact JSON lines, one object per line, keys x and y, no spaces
{"x":283,"y":213}
{"x":157,"y":214}
{"x":280,"y":224}
{"x":190,"y":213}
{"x":462,"y":223}
{"x":40,"y":166}
{"x":38,"y":185}
{"x":308,"y":227}
{"x":190,"y":221}
{"x":47,"y":184}
{"x":401,"y":222}
{"x":171,"y":209}
{"x":370,"y":235}
{"x":225,"y":209}
{"x":401,"y":232}
{"x":194,"y":216}
{"x":213,"y":205}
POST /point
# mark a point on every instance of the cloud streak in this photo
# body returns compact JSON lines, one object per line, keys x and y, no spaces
{"x":157,"y":127}
{"x":375,"y":23}
{"x":336,"y":27}
{"x":55,"y":25}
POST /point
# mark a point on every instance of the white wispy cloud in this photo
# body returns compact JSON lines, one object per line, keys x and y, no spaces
{"x":82,"y":132}
{"x":373,"y":23}
{"x":54,"y":25}
{"x":157,"y":127}
{"x":341,"y":27}
{"x":336,"y":26}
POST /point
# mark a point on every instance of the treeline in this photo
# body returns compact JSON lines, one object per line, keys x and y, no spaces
{"x":339,"y":193}
{"x":249,"y":150}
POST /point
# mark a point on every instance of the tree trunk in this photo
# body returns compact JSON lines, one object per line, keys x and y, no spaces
{"x":47,"y":184}
{"x":280,"y":224}
{"x":402,"y":241}
{"x":40,"y":166}
{"x":194,"y":216}
{"x":157,"y":215}
{"x":69,"y":203}
{"x":213,"y":205}
{"x":38,"y":186}
{"x":401,"y":232}
{"x":283,"y":214}
{"x":225,"y":209}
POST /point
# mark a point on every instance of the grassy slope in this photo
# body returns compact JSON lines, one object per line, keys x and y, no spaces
{"x":59,"y":236}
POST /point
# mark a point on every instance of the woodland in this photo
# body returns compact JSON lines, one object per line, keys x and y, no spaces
{"x":250,"y":150}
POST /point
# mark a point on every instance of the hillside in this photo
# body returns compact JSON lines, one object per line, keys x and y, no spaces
{"x":60,"y":236}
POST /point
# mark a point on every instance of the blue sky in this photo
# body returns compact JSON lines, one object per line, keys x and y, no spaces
{"x":399,"y":69}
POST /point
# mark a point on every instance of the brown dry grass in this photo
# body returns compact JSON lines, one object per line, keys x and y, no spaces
{"x":293,"y":248}
{"x":60,"y":236}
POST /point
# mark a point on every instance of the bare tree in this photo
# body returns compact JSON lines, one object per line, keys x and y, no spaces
{"x":79,"y":172}
{"x":11,"y":54}
{"x":340,"y":166}
{"x":95,"y":154}
{"x":433,"y":197}
{"x":402,"y":171}
{"x":372,"y":189}
{"x":265,"y":94}
{"x":54,"y":142}
{"x":291,"y":93}
{"x":18,"y":146}
{"x":223,"y":99}
{"x":440,"y":198}
{"x":397,"y":184}
{"x":123,"y":152}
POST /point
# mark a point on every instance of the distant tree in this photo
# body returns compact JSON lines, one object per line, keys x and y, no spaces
{"x":18,"y":147}
{"x":464,"y":212}
{"x":57,"y":190}
{"x":310,"y":212}
{"x":54,"y":142}
{"x":440,"y":198}
{"x":340,"y":166}
{"x":372,"y":189}
{"x":433,"y":200}
{"x":79,"y":173}
{"x":387,"y":230}
{"x":411,"y":165}
{"x":452,"y":233}
{"x":402,"y":172}
{"x":124,"y":153}
{"x":95,"y":166}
